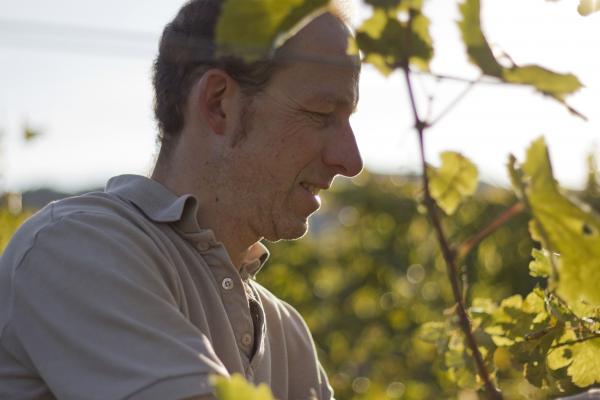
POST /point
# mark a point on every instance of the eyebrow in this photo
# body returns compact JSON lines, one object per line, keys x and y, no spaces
{"x":345,"y":101}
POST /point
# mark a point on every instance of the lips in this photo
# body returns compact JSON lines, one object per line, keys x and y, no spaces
{"x":314,"y":189}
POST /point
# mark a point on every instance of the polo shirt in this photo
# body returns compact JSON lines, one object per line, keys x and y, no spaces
{"x":121,"y":294}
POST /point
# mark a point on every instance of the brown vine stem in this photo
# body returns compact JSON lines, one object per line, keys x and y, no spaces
{"x":466,"y":247}
{"x":449,"y":258}
{"x":455,"y":102}
{"x":575,"y":341}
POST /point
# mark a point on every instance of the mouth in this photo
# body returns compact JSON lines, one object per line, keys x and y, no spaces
{"x":313,"y":189}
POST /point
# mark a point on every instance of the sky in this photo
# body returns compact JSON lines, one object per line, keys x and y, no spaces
{"x":80,"y":73}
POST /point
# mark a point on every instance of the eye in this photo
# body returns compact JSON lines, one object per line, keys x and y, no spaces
{"x":324,"y":119}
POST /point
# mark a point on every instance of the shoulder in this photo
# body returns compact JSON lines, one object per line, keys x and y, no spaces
{"x":66,"y":223}
{"x":81,"y":237}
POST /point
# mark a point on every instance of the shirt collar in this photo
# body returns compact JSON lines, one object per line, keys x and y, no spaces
{"x":256,"y":257}
{"x":159,"y":204}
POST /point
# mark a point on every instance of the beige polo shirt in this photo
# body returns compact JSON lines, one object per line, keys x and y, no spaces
{"x":121,"y":295}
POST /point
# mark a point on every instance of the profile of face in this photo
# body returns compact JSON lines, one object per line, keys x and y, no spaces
{"x":297,"y":136}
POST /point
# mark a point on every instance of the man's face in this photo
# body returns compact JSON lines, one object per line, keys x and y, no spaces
{"x":298,"y":136}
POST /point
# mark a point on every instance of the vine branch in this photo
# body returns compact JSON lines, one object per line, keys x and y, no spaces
{"x":448,"y":254}
{"x":454,"y":103}
{"x":595,"y":335}
{"x":466,"y":247}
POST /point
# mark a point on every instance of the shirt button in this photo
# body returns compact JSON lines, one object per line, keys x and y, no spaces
{"x":227,"y":283}
{"x":250,"y":375}
{"x":247,"y":339}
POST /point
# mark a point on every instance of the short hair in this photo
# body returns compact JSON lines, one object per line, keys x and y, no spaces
{"x":187,"y":50}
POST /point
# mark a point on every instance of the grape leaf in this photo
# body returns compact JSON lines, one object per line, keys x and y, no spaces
{"x":455,"y":179}
{"x":396,"y":4}
{"x":272,"y":23}
{"x":432,"y":332}
{"x":587,"y":7}
{"x":564,"y":228}
{"x":532,"y":354}
{"x":388,"y":43}
{"x":383,"y":3}
{"x":237,"y":387}
{"x":545,"y":81}
{"x":478,"y":49}
{"x":562,"y":356}
{"x":585,"y":368}
{"x":540,"y":265}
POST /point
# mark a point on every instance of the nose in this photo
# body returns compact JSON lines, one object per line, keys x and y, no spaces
{"x":342,"y":153}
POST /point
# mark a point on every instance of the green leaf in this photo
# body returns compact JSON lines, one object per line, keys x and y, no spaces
{"x":237,"y":387}
{"x":564,"y":227}
{"x":587,"y":7}
{"x":383,"y":3}
{"x":532,"y":354}
{"x":562,"y":356}
{"x":432,"y":332}
{"x":545,"y":81}
{"x":478,"y":49}
{"x":388,"y":43}
{"x":516,"y":176}
{"x":585,"y":368}
{"x":455,"y":179}
{"x":273,"y":22}
{"x":396,"y":5}
{"x":540,"y":265}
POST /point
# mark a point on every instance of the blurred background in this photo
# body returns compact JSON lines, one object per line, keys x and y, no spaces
{"x":76,"y":109}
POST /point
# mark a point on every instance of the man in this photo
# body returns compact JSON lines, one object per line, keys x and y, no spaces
{"x":145,"y":290}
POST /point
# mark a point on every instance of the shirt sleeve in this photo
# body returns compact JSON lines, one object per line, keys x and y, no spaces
{"x":302,"y":350}
{"x":94,"y":316}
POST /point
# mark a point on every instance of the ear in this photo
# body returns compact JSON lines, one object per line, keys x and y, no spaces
{"x":216,"y":91}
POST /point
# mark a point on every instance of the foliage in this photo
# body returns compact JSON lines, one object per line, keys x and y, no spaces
{"x":454,"y":180}
{"x":548,"y":332}
{"x":549,"y":83}
{"x":379,"y":297}
{"x":369,"y":275}
{"x":587,"y":7}
{"x":236,"y":387}
{"x":387,"y":42}
{"x":273,"y":21}
{"x":9,"y":222}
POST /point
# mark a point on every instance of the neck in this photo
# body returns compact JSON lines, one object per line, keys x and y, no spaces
{"x":215,"y":212}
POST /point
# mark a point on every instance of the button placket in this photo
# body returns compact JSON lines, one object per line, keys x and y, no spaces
{"x":233,"y":295}
{"x":227,"y":283}
{"x":247,"y":339}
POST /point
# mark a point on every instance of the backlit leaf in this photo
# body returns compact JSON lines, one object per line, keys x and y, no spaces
{"x":587,"y":7}
{"x":540,"y":265}
{"x":545,"y":81}
{"x":564,"y":228}
{"x":388,"y":42}
{"x":585,"y":368}
{"x":383,"y":3}
{"x":455,"y":179}
{"x":237,"y":387}
{"x":433,"y":331}
{"x":478,"y":49}
{"x":272,"y":23}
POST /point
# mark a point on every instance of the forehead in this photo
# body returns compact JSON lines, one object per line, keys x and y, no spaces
{"x":316,"y":65}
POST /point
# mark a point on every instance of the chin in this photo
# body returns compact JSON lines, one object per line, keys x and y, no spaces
{"x":288,"y":231}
